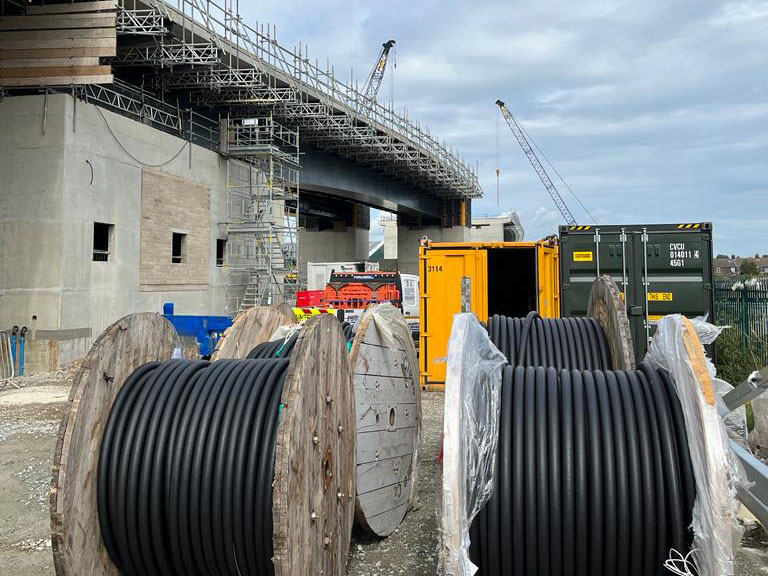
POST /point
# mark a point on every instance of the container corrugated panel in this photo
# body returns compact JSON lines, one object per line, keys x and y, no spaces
{"x":510,"y":278}
{"x":659,"y":268}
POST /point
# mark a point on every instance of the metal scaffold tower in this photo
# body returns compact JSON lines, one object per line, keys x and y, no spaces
{"x":262,"y":207}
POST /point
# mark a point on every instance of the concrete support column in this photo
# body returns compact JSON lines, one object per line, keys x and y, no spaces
{"x":409,"y":237}
{"x":347,"y":244}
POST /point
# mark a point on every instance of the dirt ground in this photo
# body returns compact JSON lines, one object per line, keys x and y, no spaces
{"x":29,"y":421}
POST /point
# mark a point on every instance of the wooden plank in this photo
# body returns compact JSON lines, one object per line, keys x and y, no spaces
{"x":31,"y":44}
{"x":36,"y":72}
{"x":50,"y":62}
{"x":313,"y":503}
{"x":78,"y":34}
{"x":388,"y":407}
{"x":57,"y":53}
{"x":698,"y":361}
{"x":124,"y":346}
{"x":254,"y":326}
{"x":374,"y":476}
{"x":58,"y":22}
{"x":56,"y":80}
{"x":73,"y":7}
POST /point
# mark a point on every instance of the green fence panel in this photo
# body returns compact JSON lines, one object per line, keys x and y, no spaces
{"x":746,"y":310}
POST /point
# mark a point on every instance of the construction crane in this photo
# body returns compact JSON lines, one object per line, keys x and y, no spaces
{"x":373,"y":83}
{"x":517,"y":130}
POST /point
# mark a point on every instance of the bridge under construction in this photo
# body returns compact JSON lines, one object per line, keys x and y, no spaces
{"x":206,"y":159}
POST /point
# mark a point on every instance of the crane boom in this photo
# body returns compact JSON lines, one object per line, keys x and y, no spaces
{"x":536,"y":163}
{"x":373,"y":83}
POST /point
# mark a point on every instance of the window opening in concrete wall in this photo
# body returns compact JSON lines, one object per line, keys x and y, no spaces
{"x":221,"y":247}
{"x":178,"y":247}
{"x":102,"y":241}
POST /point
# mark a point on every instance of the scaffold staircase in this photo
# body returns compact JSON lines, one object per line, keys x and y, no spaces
{"x":262,"y":226}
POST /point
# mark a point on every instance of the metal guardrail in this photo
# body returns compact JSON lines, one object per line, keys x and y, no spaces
{"x":7,"y":368}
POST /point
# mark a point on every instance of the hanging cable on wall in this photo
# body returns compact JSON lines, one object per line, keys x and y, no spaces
{"x":593,"y":475}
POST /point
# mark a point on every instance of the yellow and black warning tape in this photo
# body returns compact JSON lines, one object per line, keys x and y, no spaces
{"x":688,"y":226}
{"x":580,"y":228}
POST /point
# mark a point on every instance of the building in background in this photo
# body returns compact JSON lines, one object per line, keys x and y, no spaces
{"x":503,"y":228}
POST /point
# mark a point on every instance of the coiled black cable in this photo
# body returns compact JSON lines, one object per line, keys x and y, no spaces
{"x":282,"y":348}
{"x":562,"y":343}
{"x":594,"y":475}
{"x":186,"y":468}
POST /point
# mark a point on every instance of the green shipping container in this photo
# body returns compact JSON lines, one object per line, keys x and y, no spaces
{"x":659,"y":268}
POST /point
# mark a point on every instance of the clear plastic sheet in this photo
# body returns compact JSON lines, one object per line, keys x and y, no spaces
{"x":717,"y":531}
{"x":395,"y":333}
{"x":470,"y":436}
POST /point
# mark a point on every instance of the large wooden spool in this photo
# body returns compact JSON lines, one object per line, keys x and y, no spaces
{"x":314,"y":484}
{"x":250,"y":328}
{"x":116,"y":353}
{"x":385,"y":375}
{"x":608,"y":308}
{"x":313,"y":505}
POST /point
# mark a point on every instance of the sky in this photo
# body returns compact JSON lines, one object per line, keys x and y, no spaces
{"x":653,"y":111}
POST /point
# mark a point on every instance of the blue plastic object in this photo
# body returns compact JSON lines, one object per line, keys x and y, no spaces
{"x":206,"y":330}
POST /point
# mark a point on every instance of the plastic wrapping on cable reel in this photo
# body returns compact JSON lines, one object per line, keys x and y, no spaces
{"x":395,"y":333}
{"x":717,"y":531}
{"x":470,"y":436}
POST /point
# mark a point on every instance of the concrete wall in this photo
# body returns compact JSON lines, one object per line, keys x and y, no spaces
{"x":56,"y":183}
{"x":409,"y":239}
{"x":348,"y":245}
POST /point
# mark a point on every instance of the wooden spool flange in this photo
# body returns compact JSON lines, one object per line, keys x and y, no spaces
{"x":251,"y":328}
{"x":313,"y":499}
{"x":385,"y":375}
{"x":116,"y":353}
{"x":608,"y":308}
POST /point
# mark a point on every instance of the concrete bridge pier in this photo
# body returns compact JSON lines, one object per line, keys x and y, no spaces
{"x":453,"y":227}
{"x":337,"y":240}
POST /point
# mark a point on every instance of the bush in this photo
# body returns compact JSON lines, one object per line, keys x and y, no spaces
{"x":734,"y":363}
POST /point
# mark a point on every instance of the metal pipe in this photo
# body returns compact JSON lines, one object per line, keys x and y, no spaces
{"x":23,"y":335}
{"x":14,"y":332}
{"x":755,"y":385}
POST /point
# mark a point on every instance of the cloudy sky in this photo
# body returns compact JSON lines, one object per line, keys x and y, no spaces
{"x":653,"y":111}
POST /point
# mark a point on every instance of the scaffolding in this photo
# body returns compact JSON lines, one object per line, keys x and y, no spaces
{"x":211,"y":58}
{"x":262,"y":212}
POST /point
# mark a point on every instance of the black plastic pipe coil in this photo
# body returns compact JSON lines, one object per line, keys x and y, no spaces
{"x":186,"y":468}
{"x":571,"y":343}
{"x":276,"y":349}
{"x":594,"y":476}
{"x":282,"y":348}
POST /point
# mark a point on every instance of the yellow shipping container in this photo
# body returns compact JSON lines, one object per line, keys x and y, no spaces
{"x":509,"y":278}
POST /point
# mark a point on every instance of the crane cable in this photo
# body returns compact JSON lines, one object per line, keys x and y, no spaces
{"x":498,"y":154}
{"x":546,"y":159}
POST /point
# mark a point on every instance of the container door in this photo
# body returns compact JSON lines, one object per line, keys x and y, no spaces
{"x":549,"y":280}
{"x":441,"y":285}
{"x":676,"y":266}
{"x":585,"y":255}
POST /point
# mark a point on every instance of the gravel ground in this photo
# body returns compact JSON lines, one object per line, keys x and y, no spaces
{"x":30,"y":412}
{"x":413,"y":548}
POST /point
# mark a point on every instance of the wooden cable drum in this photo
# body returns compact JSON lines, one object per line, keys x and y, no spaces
{"x":607,"y":306}
{"x":388,"y":408}
{"x":385,"y":375}
{"x":250,"y":328}
{"x":313,"y":506}
{"x":116,"y":353}
{"x":155,"y":455}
